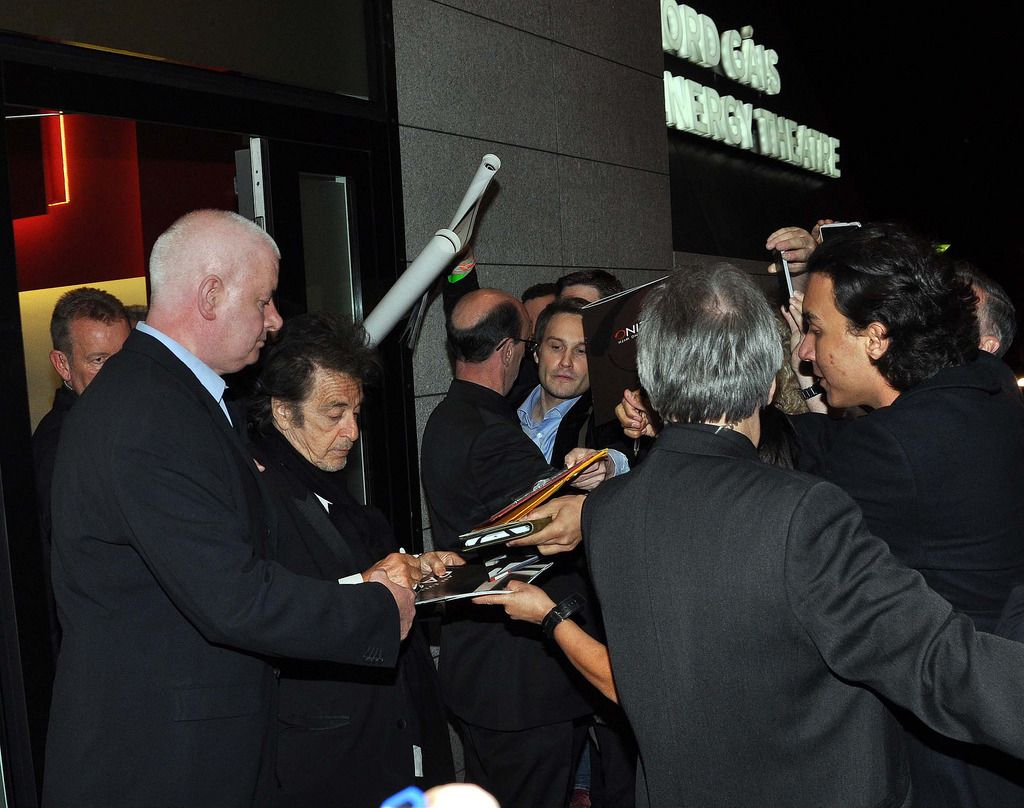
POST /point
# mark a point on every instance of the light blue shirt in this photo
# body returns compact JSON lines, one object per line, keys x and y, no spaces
{"x":207,"y":376}
{"x":544,"y":432}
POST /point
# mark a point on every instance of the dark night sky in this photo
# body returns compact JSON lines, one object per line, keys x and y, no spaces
{"x":926,"y":104}
{"x":927,"y":108}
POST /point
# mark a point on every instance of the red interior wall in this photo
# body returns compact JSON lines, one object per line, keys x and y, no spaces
{"x":181,"y":170}
{"x":98,"y":235}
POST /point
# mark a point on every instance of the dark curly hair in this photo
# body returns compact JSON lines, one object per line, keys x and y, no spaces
{"x":307,"y":342}
{"x":883,"y":273}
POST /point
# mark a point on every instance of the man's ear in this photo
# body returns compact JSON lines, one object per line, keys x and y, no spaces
{"x":877,"y":340}
{"x":989,"y":343}
{"x":281,"y":413}
{"x":61,"y":364}
{"x":506,"y":355}
{"x":209,"y":295}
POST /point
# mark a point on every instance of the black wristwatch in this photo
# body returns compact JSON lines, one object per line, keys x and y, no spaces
{"x":566,"y":608}
{"x":811,"y":392}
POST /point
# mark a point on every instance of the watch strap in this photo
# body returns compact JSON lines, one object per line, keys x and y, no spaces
{"x":562,"y":611}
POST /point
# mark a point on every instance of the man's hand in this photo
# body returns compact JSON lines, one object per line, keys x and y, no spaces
{"x":404,"y":599}
{"x":795,"y":244}
{"x":633,"y":416}
{"x":816,"y":230}
{"x":402,"y":568}
{"x":438,"y":562}
{"x":593,"y":476}
{"x":408,"y":570}
{"x":563,"y":533}
{"x":526,"y":602}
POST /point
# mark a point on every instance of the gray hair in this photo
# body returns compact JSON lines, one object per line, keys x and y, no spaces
{"x":197,"y":240}
{"x":708,"y":346}
{"x":996,"y":313}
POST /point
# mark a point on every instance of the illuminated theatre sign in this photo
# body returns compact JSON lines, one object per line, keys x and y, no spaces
{"x":692,"y":107}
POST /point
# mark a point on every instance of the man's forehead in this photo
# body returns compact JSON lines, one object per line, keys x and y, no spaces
{"x":565,"y":326}
{"x":332,"y":388}
{"x":258,"y":265}
{"x":84,"y":325}
{"x":819,"y":298}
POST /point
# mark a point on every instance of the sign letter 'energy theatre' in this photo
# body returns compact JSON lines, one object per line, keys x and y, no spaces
{"x":692,"y":107}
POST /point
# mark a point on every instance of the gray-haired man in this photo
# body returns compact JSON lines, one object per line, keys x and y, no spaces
{"x":752,"y":620}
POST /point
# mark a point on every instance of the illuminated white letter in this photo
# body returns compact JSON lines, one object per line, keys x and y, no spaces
{"x":715,"y":114}
{"x":832,"y":158}
{"x":678,"y":106}
{"x":747,"y":57}
{"x":756,"y":68}
{"x":792,"y":145}
{"x":695,"y":95}
{"x":745,"y":114}
{"x":766,"y":133}
{"x":732,"y":59}
{"x":710,"y":51}
{"x":690,"y":49}
{"x":773,"y":82}
{"x":671,"y":27}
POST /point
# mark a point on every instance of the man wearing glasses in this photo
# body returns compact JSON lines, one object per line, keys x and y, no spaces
{"x":520,"y":709}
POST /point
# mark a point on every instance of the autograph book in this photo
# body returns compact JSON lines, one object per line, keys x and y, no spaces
{"x":508,"y":523}
{"x":471,"y":580}
{"x":610,"y":326}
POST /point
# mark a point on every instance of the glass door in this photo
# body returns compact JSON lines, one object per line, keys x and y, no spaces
{"x":320,"y":210}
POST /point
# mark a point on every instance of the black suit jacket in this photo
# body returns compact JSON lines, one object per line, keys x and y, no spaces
{"x":44,"y":455}
{"x":937,"y":474}
{"x":163,"y":695}
{"x":345,"y":733}
{"x":751,"y":621}
{"x":495,"y":672}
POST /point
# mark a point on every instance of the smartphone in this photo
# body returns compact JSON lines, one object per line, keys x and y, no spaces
{"x":784,"y":277}
{"x":834,"y":229}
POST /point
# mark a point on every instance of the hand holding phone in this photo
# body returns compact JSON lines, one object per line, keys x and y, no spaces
{"x":835,"y":228}
{"x":784,"y":277}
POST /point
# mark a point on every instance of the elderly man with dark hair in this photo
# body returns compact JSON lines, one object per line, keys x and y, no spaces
{"x":754,"y":624}
{"x":936,"y":464}
{"x":520,"y":708}
{"x":343,"y":731}
{"x":171,"y":612}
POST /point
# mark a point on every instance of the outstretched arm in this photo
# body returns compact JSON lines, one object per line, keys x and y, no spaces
{"x":590,"y":657}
